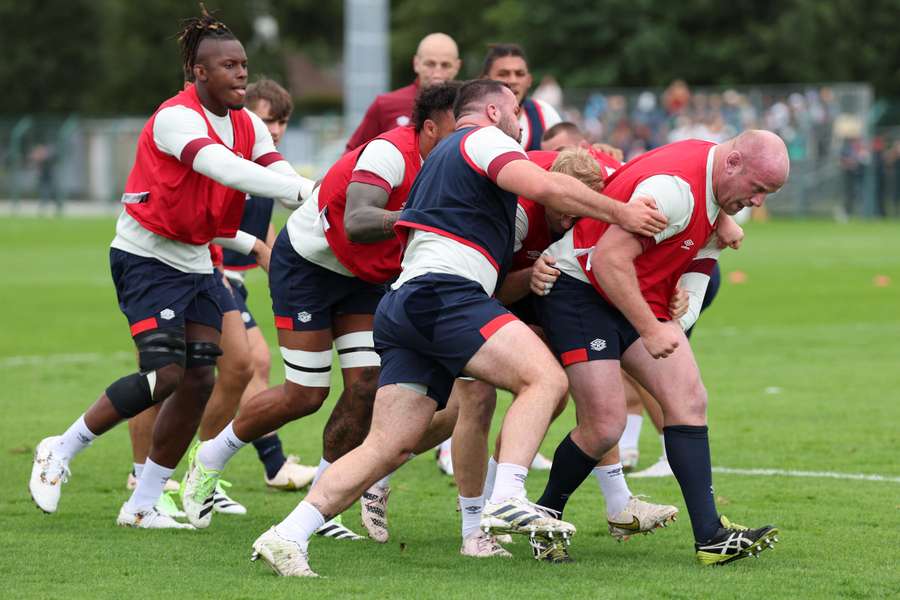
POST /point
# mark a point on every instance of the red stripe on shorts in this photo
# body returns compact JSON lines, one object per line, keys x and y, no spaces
{"x":574,"y":356}
{"x":492,"y":326}
{"x":284,"y":323}
{"x":145,"y":325}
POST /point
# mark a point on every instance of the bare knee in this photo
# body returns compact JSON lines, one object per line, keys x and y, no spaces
{"x":302,"y":400}
{"x":393,"y":450}
{"x":261,"y":363}
{"x":596,"y":436}
{"x":199,"y":382}
{"x":364,"y":384}
{"x":695,"y":401}
{"x":553,"y":384}
{"x":168,"y":378}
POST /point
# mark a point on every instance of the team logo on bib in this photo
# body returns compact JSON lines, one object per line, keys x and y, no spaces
{"x":402,"y":121}
{"x":598,"y":345}
{"x":687,"y":244}
{"x":304,"y":317}
{"x":168,"y":314}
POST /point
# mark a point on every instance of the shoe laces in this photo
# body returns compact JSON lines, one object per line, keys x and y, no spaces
{"x":729,"y":525}
{"x":543,"y":510}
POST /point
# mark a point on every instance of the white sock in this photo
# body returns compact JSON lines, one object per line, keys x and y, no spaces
{"x":301,"y":524}
{"x":149,"y":487}
{"x":445,"y":446}
{"x":138,"y":469}
{"x":76,"y":438}
{"x":323,"y":464}
{"x":384,"y":482}
{"x":489,"y":478}
{"x":662,"y":442}
{"x":509,"y":482}
{"x":632,"y":432}
{"x":216,"y":452}
{"x":615,"y":489}
{"x":471,"y":514}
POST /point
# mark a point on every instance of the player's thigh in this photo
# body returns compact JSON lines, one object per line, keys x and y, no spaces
{"x":512,"y":358}
{"x":259,"y":351}
{"x":234,"y":343}
{"x":597,"y":390}
{"x":673,"y":381}
{"x":400,"y":418}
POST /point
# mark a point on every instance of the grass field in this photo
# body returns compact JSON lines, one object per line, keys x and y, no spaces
{"x":802,"y":362}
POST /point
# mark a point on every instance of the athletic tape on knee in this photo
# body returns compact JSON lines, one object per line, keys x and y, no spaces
{"x":132,"y":394}
{"x":310,"y":369}
{"x":357,"y":349}
{"x":160,"y":347}
{"x":415,"y":387}
{"x":202,"y":354}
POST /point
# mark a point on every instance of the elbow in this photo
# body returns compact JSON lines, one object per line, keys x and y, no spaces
{"x":352,"y":229}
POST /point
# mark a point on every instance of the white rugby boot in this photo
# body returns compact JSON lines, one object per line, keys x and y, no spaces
{"x":198,"y":490}
{"x":639,"y":516}
{"x":482,"y":545}
{"x":292,"y":475}
{"x":336,"y":529}
{"x":286,"y":557}
{"x":148,"y":519}
{"x":48,"y":472}
{"x":373,"y":510}
{"x":660,"y":468}
{"x":629,"y":458}
{"x":518,"y":515}
{"x":225,"y":505}
{"x":541,"y":463}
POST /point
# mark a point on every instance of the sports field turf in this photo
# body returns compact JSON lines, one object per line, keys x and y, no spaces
{"x":802,"y":363}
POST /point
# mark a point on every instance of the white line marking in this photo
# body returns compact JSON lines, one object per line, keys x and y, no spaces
{"x":56,"y":359}
{"x":790,"y":473}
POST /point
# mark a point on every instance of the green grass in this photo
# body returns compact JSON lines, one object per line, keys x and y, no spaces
{"x":808,"y":321}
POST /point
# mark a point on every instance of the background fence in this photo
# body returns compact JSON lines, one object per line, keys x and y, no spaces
{"x":841,"y":165}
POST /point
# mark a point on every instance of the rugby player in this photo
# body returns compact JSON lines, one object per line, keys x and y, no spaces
{"x":197,"y":157}
{"x":328,"y":270}
{"x":507,"y":63}
{"x":439,"y":321}
{"x":436,"y":60}
{"x":614,"y":291}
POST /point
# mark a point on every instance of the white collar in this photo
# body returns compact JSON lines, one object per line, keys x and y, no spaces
{"x":712,"y":207}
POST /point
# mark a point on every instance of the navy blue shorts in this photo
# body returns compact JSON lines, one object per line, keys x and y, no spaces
{"x":525,"y":309}
{"x":306,"y":297}
{"x":240,"y":293}
{"x":154,"y":295}
{"x":581,"y":325}
{"x":224,"y":295}
{"x":427,"y":331}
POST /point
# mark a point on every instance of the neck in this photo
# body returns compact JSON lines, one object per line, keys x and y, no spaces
{"x":426,"y":145}
{"x":473,"y":121}
{"x":216,"y":108}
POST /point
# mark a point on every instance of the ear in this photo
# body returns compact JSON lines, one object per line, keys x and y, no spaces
{"x":493,"y":113}
{"x":429,"y":128}
{"x":200,"y":72}
{"x":734,"y":162}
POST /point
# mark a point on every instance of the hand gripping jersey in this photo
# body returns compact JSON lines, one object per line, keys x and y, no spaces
{"x":660,"y":265}
{"x":166,"y":196}
{"x":455,"y":198}
{"x":255,"y":221}
{"x":373,"y":262}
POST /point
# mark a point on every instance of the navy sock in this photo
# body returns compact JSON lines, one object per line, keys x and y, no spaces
{"x":571,"y":466}
{"x":687,"y":447}
{"x":270,"y":453}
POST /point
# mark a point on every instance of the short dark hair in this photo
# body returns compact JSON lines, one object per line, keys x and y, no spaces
{"x":281,"y":105}
{"x":496,"y":51}
{"x":473,"y":92}
{"x":562,"y":127}
{"x":432,"y":100}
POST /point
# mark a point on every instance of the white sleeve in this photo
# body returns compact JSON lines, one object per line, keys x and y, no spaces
{"x":263,"y":143}
{"x":242,"y":242}
{"x":218,"y":163}
{"x":673,"y":198}
{"x":551,"y":117}
{"x":306,"y":185}
{"x":490,"y":149}
{"x":383,"y":159}
{"x":174,"y":127}
{"x":695,"y":281}
{"x":521,"y":227}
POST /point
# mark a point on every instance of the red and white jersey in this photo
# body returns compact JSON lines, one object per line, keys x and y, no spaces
{"x":183,"y":188}
{"x":679,"y":179}
{"x":391,"y":162}
{"x":387,"y":111}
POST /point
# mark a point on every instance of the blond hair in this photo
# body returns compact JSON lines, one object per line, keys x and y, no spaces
{"x":578,"y":163}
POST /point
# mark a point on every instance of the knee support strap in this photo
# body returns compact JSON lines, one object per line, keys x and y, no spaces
{"x":132,"y":394}
{"x":160,"y":347}
{"x":309,"y":369}
{"x":357,"y":349}
{"x":202,"y":354}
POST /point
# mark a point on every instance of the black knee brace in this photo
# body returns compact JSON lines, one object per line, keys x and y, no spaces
{"x":160,"y":347}
{"x":202,"y":354}
{"x":132,"y":394}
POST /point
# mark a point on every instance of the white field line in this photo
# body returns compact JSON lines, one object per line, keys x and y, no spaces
{"x":11,"y":362}
{"x":792,"y":473}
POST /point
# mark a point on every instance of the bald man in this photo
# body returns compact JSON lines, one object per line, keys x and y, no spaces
{"x":610,"y":310}
{"x":436,"y":61}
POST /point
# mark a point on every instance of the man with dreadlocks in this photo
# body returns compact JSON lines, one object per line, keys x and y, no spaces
{"x":197,"y":157}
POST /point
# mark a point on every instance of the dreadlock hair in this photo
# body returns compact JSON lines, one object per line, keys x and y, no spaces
{"x":194,"y":31}
{"x":433,"y":100}
{"x":496,"y":51}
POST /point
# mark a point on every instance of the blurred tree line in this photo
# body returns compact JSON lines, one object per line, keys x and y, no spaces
{"x":121,"y":57}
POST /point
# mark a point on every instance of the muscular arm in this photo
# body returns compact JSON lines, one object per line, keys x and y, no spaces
{"x":569,"y":196}
{"x":365,"y":219}
{"x":613,"y":264}
{"x":515,"y":286}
